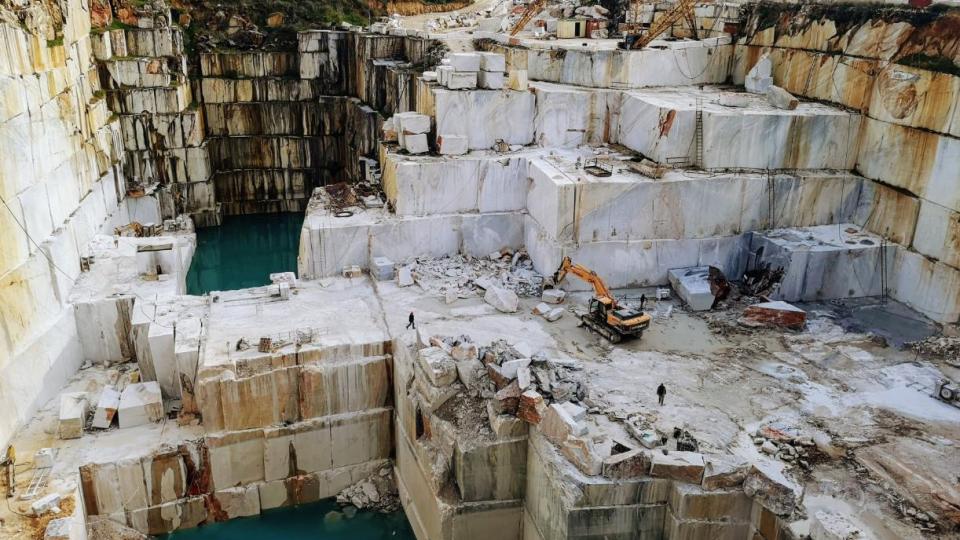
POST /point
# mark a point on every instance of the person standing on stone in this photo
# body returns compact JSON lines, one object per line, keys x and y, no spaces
{"x":411,"y":324}
{"x":661,"y":393}
{"x":643,"y":300}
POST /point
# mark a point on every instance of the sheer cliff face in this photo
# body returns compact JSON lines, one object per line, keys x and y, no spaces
{"x":59,"y":183}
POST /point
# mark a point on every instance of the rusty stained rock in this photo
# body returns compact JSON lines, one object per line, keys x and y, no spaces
{"x":531,"y":407}
{"x":776,"y":313}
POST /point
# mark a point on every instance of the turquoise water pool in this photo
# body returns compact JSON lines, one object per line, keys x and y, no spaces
{"x":244,"y":251}
{"x":319,"y":521}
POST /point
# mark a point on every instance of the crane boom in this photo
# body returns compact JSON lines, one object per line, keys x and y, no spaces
{"x":682,"y":10}
{"x":532,"y":9}
{"x":600,"y":289}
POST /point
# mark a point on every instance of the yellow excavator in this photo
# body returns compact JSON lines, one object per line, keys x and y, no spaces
{"x":606,"y":316}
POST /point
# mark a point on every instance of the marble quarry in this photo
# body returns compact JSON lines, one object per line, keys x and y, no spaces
{"x":775,"y":186}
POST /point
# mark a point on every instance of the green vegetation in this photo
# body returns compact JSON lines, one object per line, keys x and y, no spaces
{"x":55,"y":42}
{"x":940,"y":64}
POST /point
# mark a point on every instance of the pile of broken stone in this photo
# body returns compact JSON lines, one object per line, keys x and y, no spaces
{"x":502,"y":277}
{"x":787,"y":447}
{"x":124,"y":401}
{"x":377,"y":492}
{"x":548,"y":395}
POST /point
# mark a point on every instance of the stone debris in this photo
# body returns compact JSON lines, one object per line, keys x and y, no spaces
{"x":724,"y":472}
{"x":352,"y":271}
{"x":532,"y":407}
{"x":505,"y":300}
{"x":140,"y":403}
{"x":376,"y":492}
{"x":48,"y":503}
{"x":107,"y":407}
{"x":760,"y":78}
{"x":103,"y":528}
{"x":939,"y":346}
{"x":553,"y":296}
{"x":826,"y":525}
{"x":787,"y":444}
{"x":774,"y":492}
{"x":73,"y":415}
{"x":437,"y":365}
{"x":554,"y":314}
{"x":777,"y":313}
{"x":470,"y":276}
{"x":66,"y":528}
{"x":781,"y":99}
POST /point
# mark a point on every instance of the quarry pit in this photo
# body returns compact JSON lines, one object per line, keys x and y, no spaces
{"x":558,"y":269}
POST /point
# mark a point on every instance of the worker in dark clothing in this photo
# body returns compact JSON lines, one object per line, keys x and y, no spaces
{"x":643,"y":300}
{"x":661,"y":393}
{"x":411,"y":324}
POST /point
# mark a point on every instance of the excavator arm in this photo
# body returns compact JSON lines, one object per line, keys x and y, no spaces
{"x":600,"y":289}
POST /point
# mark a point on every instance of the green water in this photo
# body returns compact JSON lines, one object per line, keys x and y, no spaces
{"x":303,"y":522}
{"x":244,"y":251}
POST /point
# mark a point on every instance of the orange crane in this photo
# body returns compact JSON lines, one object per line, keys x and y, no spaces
{"x":682,"y":10}
{"x":532,"y":9}
{"x":606,"y":316}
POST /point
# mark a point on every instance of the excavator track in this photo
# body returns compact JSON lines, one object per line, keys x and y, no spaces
{"x":612,"y":335}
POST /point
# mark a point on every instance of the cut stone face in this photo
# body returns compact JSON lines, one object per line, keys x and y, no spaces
{"x":106,"y":408}
{"x":73,"y":413}
{"x":140,"y":403}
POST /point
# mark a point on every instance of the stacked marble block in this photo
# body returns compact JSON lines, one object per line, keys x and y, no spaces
{"x":469,"y":70}
{"x":281,"y":429}
{"x":144,"y":72}
{"x":454,"y":482}
{"x":661,"y":225}
{"x":412,"y":130}
{"x":739,"y":131}
{"x":647,"y":494}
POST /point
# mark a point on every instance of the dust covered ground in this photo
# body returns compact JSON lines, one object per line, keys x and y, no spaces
{"x":878,"y":446}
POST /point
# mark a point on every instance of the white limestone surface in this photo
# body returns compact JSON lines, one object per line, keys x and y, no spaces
{"x":485,"y":116}
{"x":602,"y":65}
{"x":826,"y":262}
{"x":573,"y":205}
{"x":422,"y":186}
{"x":661,"y":125}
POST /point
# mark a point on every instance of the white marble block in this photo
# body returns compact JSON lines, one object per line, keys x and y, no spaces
{"x":73,"y":414}
{"x":490,"y":61}
{"x":462,"y":81}
{"x":452,"y":145}
{"x":140,"y":404}
{"x":412,"y":123}
{"x":416,"y":144}
{"x":465,"y":62}
{"x":491,"y":80}
{"x":106,"y":408}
